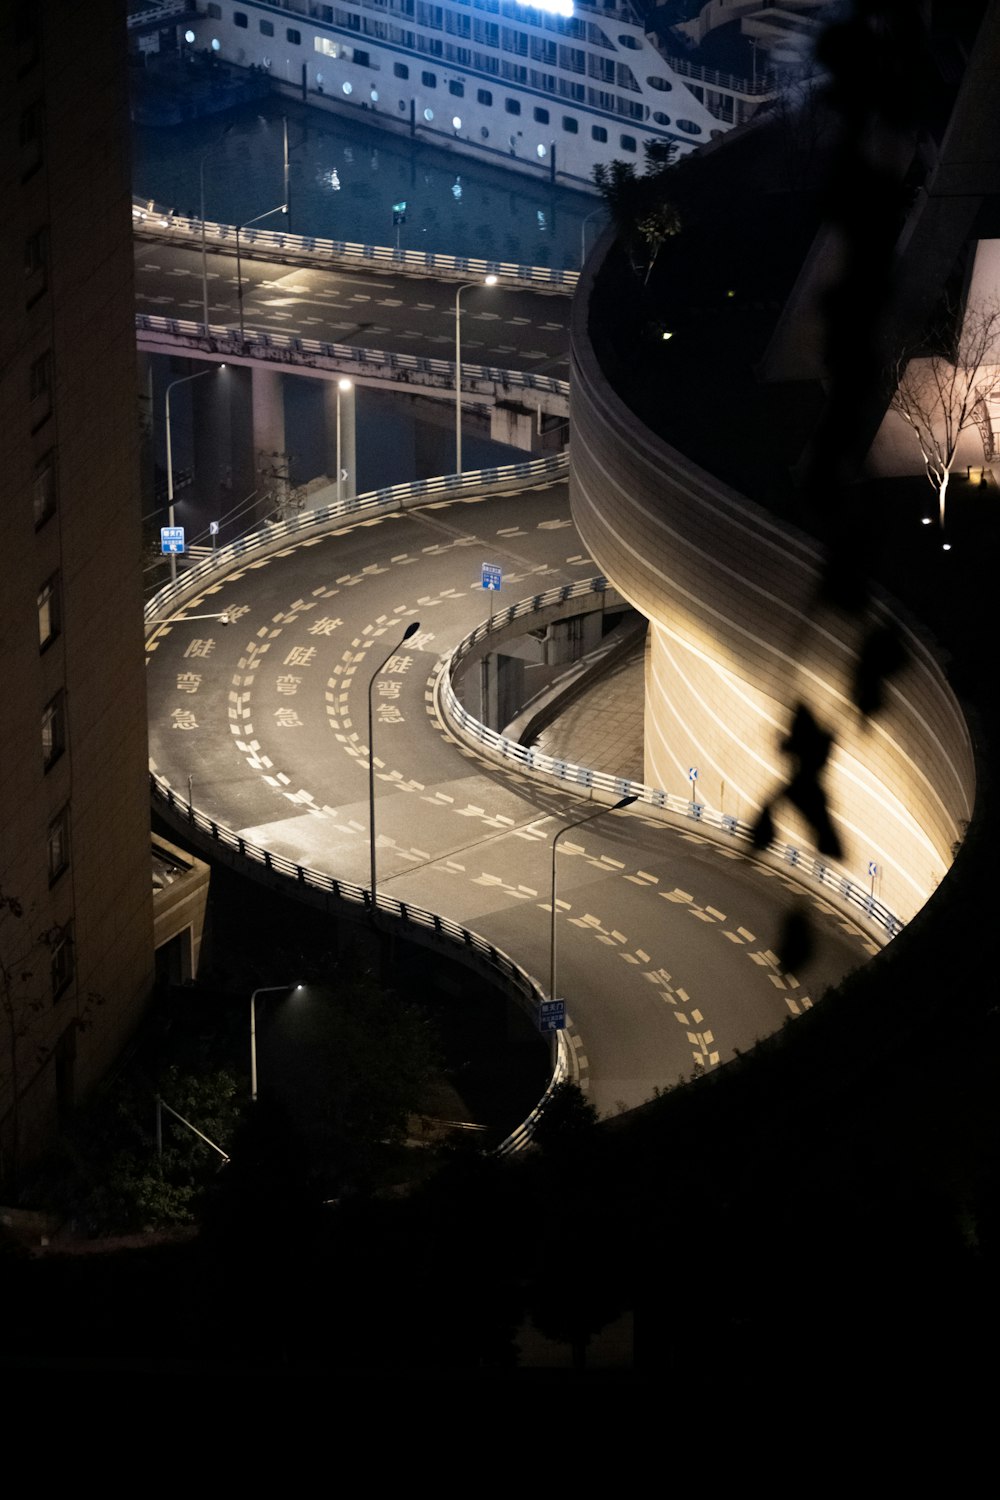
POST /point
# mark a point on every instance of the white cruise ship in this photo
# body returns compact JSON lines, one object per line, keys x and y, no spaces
{"x":549,"y":88}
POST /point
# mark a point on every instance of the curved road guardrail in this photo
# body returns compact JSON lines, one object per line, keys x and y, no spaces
{"x":600,"y":784}
{"x":151,"y":221}
{"x":274,"y":536}
{"x":425,"y":927}
{"x":221,"y":842}
{"x":404,"y":368}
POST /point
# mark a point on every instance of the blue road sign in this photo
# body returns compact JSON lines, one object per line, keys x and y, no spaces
{"x":552,"y":1015}
{"x":693,"y":773}
{"x":171,"y":539}
{"x":492,"y":577}
{"x":399,"y":212}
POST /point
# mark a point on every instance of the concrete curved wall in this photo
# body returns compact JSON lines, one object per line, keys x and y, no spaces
{"x":737,"y":638}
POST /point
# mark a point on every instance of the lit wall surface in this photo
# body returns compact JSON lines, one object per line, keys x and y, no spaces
{"x":737,"y":640}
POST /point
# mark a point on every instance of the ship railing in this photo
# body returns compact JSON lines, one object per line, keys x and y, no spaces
{"x":764,"y":83}
{"x":152,"y":221}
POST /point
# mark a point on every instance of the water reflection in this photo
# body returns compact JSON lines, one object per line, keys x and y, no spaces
{"x":370,"y":169}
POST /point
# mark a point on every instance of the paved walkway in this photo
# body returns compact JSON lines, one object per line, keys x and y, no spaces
{"x":603,"y":729}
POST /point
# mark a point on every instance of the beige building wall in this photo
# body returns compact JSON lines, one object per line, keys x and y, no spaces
{"x":74,"y":816}
{"x":738,"y":638}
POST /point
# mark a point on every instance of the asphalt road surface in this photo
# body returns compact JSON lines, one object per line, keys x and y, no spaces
{"x":665,"y":939}
{"x":511,"y":329}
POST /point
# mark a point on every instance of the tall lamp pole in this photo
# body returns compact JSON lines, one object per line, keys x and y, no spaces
{"x":342,"y":385}
{"x":411,"y":629}
{"x":270,"y":989}
{"x":170,"y":458}
{"x":623,"y":802}
{"x":204,"y":258}
{"x":487,"y":281}
{"x":282,"y":208}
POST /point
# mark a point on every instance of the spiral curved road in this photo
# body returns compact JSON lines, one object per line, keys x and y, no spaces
{"x":666,"y":939}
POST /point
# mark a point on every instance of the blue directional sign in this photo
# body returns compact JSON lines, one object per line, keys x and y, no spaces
{"x":171,"y":539}
{"x":692,"y":773}
{"x":492,"y":577}
{"x":399,"y":212}
{"x":552,"y":1015}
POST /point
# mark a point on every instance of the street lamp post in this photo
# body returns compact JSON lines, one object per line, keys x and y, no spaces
{"x":270,"y":989}
{"x":204,"y":258}
{"x":487,"y":281}
{"x":281,"y":209}
{"x":170,"y":458}
{"x":622,"y":802}
{"x":342,"y":385}
{"x":411,"y":629}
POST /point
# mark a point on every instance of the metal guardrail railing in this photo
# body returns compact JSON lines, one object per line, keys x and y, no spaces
{"x":402,"y":367}
{"x":804,"y":862}
{"x":273,"y":536}
{"x":220,"y":841}
{"x":151,"y":220}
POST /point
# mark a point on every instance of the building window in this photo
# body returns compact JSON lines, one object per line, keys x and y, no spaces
{"x":512,"y":106}
{"x":61,"y":966}
{"x":484,"y":96}
{"x":214,"y":11}
{"x":541,"y":115}
{"x":293,"y":36}
{"x":45,"y":488}
{"x":240,"y":19}
{"x":689,"y":126}
{"x":628,"y":142}
{"x":58,"y":845}
{"x":400,"y":70}
{"x":429,"y":80}
{"x":40,"y":389}
{"x":571,"y":126}
{"x":598,"y":133}
{"x":36,"y":260}
{"x":457,"y":89}
{"x":660,"y":117}
{"x":267,"y":28}
{"x":48,"y":612}
{"x":361,"y":58}
{"x":53,"y":730}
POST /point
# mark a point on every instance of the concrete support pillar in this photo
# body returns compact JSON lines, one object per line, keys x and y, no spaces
{"x":224,"y":469}
{"x":348,"y":435}
{"x":513,"y":427}
{"x":267,"y":395}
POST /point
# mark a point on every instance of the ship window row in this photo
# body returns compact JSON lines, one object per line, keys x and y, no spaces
{"x":435,"y":19}
{"x":602,"y":99}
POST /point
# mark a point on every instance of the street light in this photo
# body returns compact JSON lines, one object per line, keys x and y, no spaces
{"x":487,"y":281}
{"x":170,"y":460}
{"x":270,"y":989}
{"x":622,"y":802}
{"x":204,"y":260}
{"x":411,"y":629}
{"x":282,"y":208}
{"x":342,"y":385}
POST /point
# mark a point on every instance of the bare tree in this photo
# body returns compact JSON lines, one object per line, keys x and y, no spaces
{"x":938,"y":395}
